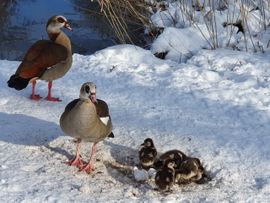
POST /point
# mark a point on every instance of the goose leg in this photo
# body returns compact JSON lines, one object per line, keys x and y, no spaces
{"x":33,"y":95}
{"x":77,"y":161}
{"x":89,"y":166}
{"x":49,"y":97}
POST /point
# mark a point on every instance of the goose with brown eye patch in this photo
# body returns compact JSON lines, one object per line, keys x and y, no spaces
{"x":64,"y":21}
{"x":86,"y":119}
{"x":45,"y":60}
{"x":147,"y":154}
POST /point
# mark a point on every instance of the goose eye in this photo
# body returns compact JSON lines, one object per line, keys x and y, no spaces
{"x":60,"y":20}
{"x":87,"y":89}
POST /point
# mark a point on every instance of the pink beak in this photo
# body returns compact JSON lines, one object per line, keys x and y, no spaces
{"x":93,"y":97}
{"x":68,"y":26}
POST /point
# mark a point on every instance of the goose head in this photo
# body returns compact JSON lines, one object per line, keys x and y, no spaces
{"x":88,"y":92}
{"x":55,"y":23}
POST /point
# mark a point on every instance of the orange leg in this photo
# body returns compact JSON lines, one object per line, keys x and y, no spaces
{"x":77,"y":161}
{"x":49,"y":97}
{"x":33,"y":95}
{"x":89,"y":166}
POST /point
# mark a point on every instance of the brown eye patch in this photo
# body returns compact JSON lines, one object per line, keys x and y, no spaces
{"x":87,"y":89}
{"x":60,"y":20}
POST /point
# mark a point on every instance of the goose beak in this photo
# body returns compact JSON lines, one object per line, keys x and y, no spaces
{"x":68,"y":26}
{"x":93,"y":97}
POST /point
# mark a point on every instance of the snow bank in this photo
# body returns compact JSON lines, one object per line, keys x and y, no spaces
{"x":189,"y":27}
{"x":216,"y":107}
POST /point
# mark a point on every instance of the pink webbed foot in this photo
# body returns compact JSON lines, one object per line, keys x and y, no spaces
{"x":75,"y":162}
{"x":49,"y":97}
{"x":53,"y":99}
{"x":87,"y":168}
{"x":35,"y":97}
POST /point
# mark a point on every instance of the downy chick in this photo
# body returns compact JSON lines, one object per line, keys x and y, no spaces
{"x":147,"y":153}
{"x":190,"y":170}
{"x":176,"y":155}
{"x":164,"y":178}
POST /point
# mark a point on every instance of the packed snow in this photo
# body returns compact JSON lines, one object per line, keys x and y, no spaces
{"x":215,"y":107}
{"x":210,"y":104}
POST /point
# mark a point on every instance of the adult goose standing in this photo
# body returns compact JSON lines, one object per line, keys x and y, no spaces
{"x":87,"y":119}
{"x":45,"y":60}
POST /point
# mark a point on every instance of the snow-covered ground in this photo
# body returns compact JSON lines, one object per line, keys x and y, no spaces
{"x":239,"y":25}
{"x":215,"y":107}
{"x":210,"y":104}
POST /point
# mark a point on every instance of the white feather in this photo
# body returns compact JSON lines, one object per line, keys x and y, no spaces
{"x":105,"y":120}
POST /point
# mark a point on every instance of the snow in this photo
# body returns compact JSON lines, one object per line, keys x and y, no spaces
{"x":215,"y":107}
{"x":210,"y":104}
{"x":181,"y":47}
{"x":186,"y":31}
{"x":140,"y":174}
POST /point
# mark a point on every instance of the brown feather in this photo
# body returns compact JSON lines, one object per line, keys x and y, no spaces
{"x":102,"y":108}
{"x":40,"y":56}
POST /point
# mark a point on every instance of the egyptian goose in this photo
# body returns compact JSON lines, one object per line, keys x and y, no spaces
{"x":176,"y":155}
{"x":190,"y":170}
{"x":164,"y":178}
{"x":87,"y":119}
{"x":147,"y":153}
{"x":45,"y":60}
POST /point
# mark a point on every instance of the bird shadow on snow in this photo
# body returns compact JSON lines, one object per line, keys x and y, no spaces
{"x":121,"y":169}
{"x":122,"y":154}
{"x":17,"y":129}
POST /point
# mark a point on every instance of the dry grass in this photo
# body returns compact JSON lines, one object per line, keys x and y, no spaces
{"x":121,"y":13}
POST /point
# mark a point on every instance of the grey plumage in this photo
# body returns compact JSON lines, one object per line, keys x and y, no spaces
{"x":83,"y":119}
{"x":87,"y":119}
